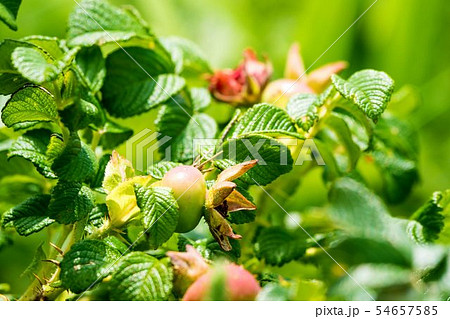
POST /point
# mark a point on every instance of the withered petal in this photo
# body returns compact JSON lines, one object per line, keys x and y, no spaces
{"x":220,"y":229}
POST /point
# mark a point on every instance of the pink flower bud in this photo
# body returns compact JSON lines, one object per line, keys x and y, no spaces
{"x":243,"y":85}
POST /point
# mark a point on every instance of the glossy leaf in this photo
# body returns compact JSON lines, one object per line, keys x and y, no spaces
{"x":33,"y":147}
{"x":8,"y":12}
{"x":302,"y":108}
{"x":159,"y":210}
{"x":29,"y":106}
{"x":86,"y":264}
{"x":71,"y":201}
{"x":98,"y":22}
{"x":274,"y":158}
{"x":370,"y":90}
{"x":264,"y":119}
{"x":76,"y":163}
{"x":35,"y":65}
{"x":136,"y":86}
{"x":277,"y":246}
{"x":141,"y":277}
{"x":30,"y":216}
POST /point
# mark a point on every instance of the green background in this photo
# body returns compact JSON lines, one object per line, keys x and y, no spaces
{"x":408,"y":39}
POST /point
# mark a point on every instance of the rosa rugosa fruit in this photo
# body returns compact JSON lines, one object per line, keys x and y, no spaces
{"x":240,"y":285}
{"x":189,"y":188}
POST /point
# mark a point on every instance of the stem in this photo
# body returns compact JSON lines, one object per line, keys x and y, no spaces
{"x":95,"y":139}
{"x":67,"y":238}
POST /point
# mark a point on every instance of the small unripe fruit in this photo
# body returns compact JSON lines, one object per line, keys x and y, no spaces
{"x":240,"y":285}
{"x":189,"y":188}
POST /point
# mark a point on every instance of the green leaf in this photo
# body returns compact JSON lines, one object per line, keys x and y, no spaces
{"x":159,"y":210}
{"x":274,"y":292}
{"x":10,"y":79}
{"x":264,"y":119}
{"x":174,"y":116}
{"x":242,"y":216}
{"x":274,"y":158}
{"x":430,"y":217}
{"x":344,"y":139}
{"x":50,"y":45}
{"x":86,"y":264}
{"x":8,"y":12}
{"x":302,"y":108}
{"x":33,"y":147}
{"x":140,"y":277}
{"x":71,"y":201}
{"x":201,"y":127}
{"x":359,"y":125}
{"x":91,"y":63}
{"x":362,"y":214}
{"x":35,"y":65}
{"x":367,"y":250}
{"x":372,"y":277}
{"x":85,"y":111}
{"x":97,"y":217}
{"x":114,"y":134}
{"x":370,"y":90}
{"x":116,"y":243}
{"x":187,"y":56}
{"x":97,"y":180}
{"x":177,"y":120}
{"x":76,"y":163}
{"x":30,"y":216}
{"x":29,"y":106}
{"x":160,"y":169}
{"x":277,"y":246}
{"x":55,"y":147}
{"x":200,"y":98}
{"x":98,"y":22}
{"x":396,"y":155}
{"x":134,"y":86}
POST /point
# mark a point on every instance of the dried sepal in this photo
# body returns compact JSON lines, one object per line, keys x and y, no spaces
{"x":236,"y":201}
{"x":236,"y":171}
{"x":220,"y":229}
{"x":218,"y":193}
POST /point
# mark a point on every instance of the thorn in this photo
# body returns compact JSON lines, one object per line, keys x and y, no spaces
{"x":59,"y":250}
{"x":210,"y":159}
{"x":52,"y":261}
{"x":199,"y":158}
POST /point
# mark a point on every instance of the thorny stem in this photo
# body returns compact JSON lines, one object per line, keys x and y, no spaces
{"x":67,"y":238}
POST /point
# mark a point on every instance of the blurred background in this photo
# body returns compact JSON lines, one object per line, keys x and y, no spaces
{"x":408,"y":39}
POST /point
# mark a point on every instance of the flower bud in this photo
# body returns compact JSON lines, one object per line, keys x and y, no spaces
{"x":297,"y":81}
{"x":243,"y":85}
